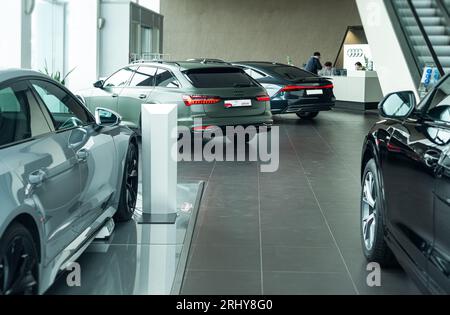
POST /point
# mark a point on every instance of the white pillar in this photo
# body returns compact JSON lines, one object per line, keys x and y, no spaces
{"x":159,"y":168}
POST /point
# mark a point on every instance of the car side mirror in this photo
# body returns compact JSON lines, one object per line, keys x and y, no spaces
{"x":107,"y":118}
{"x":398,"y":105}
{"x":99,"y":84}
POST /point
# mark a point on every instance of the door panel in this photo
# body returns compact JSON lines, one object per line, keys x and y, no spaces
{"x":408,"y":187}
{"x":136,"y":94}
{"x":46,"y":166}
{"x":108,"y":95}
{"x":94,"y":152}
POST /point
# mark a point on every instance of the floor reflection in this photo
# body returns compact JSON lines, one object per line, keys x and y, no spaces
{"x":136,"y":259}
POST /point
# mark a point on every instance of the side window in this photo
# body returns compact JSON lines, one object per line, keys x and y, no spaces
{"x":165,"y":78}
{"x":119,"y":79}
{"x":254,"y":74}
{"x":64,"y":109}
{"x":18,"y":120}
{"x":144,"y":76}
{"x":439,"y":103}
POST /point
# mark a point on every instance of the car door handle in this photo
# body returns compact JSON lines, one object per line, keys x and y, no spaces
{"x":143,"y":96}
{"x":82,"y":155}
{"x":37,"y":177}
{"x":115,"y":95}
{"x":431,"y":158}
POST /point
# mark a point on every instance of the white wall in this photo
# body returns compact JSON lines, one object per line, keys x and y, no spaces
{"x":154,"y":5}
{"x":15,"y":35}
{"x":393,"y":70}
{"x":82,"y":43}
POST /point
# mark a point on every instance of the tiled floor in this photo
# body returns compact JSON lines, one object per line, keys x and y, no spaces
{"x":295,"y":231}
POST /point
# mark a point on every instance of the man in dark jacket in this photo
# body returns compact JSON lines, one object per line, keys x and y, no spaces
{"x":314,"y":64}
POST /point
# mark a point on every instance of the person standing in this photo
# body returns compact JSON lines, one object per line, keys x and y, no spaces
{"x":327,"y":70}
{"x":314,"y":64}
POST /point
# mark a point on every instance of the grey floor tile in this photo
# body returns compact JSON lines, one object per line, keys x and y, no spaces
{"x":211,"y":257}
{"x":222,"y":283}
{"x":293,"y":283}
{"x":301,"y":259}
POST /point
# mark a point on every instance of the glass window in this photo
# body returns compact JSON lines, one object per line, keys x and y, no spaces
{"x":120,"y":78}
{"x":291,"y":73}
{"x":254,"y":74}
{"x":439,"y":103}
{"x":165,"y":78}
{"x":63,"y":108}
{"x":17,"y":120}
{"x":220,"y":78}
{"x":144,"y":76}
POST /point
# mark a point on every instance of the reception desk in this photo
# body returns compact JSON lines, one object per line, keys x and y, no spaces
{"x":359,"y":90}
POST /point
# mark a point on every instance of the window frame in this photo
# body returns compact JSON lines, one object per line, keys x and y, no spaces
{"x":165,"y":87}
{"x":142,"y":87}
{"x":48,"y":115}
{"x":126,"y":83}
{"x":25,"y":80}
{"x":424,"y":107}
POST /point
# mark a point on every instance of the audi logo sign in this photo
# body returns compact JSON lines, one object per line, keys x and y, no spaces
{"x":355,"y":52}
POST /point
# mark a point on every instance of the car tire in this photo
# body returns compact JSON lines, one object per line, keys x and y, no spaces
{"x":374,"y":245}
{"x":308,"y":115}
{"x":18,"y":248}
{"x":130,"y":183}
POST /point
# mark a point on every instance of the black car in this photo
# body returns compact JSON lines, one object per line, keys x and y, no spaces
{"x":291,"y":89}
{"x":405,"y":199}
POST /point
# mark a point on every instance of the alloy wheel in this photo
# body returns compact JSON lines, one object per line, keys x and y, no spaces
{"x":18,"y":267}
{"x":132,"y":180}
{"x":369,"y":210}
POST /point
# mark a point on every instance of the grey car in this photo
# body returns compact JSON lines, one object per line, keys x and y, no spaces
{"x":218,"y":94}
{"x":65,"y":175}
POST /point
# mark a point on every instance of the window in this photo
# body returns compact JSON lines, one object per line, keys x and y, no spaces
{"x":165,"y":78}
{"x":18,"y":121}
{"x":254,"y":74}
{"x":63,"y":108}
{"x":144,"y":76}
{"x":220,"y":78}
{"x":439,"y":103}
{"x":120,"y":78}
{"x":291,"y":73}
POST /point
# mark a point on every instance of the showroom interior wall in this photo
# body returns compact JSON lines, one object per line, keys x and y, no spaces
{"x":256,"y":29}
{"x":62,"y":34}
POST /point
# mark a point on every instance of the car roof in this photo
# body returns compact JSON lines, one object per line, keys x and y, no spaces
{"x":184,"y":65}
{"x":263,"y":64}
{"x":8,"y":74}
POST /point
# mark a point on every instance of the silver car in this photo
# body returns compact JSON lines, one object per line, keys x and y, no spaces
{"x":65,"y":175}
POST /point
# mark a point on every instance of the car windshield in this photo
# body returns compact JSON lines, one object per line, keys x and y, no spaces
{"x":219,"y":78}
{"x":292,"y":73}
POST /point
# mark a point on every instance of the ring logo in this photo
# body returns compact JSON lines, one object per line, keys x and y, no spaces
{"x":355,"y":52}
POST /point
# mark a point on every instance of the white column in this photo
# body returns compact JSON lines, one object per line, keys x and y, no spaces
{"x":159,"y":181}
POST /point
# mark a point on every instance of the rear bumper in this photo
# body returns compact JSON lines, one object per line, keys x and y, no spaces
{"x":298,"y":107}
{"x":223,"y":122}
{"x":302,"y":108}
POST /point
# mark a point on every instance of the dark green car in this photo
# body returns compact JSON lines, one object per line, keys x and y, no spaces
{"x":220,"y":94}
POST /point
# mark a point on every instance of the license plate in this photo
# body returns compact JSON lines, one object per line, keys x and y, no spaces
{"x":314,"y":92}
{"x":238,"y":103}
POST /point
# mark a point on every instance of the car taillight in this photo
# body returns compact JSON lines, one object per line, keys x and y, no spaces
{"x":290,"y":88}
{"x":190,"y":100}
{"x":263,"y":98}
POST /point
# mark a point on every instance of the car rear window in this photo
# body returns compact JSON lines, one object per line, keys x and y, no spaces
{"x":219,"y":78}
{"x":292,"y":73}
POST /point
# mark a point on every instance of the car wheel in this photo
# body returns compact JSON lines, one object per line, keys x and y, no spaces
{"x":129,"y":190}
{"x":372,"y":228}
{"x":308,"y":115}
{"x":18,"y":262}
